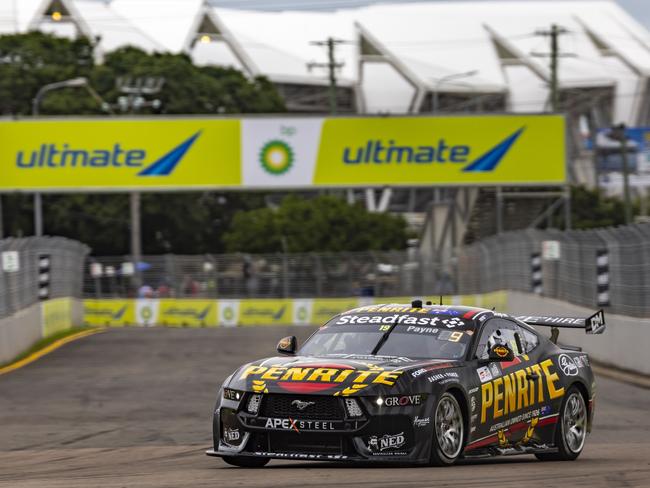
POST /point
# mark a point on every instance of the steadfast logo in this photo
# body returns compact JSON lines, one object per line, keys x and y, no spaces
{"x":54,"y":157}
{"x":378,"y":152}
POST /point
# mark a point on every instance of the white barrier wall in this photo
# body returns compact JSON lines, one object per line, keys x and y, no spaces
{"x":23,"y":329}
{"x":625,"y":343}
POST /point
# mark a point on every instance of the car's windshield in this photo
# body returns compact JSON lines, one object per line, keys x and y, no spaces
{"x":412,"y":335}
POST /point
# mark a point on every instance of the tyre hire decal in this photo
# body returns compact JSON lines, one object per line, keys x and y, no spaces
{"x":305,"y":379}
{"x":513,"y":392}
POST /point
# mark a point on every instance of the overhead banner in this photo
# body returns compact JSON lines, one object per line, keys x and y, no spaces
{"x":281,"y":153}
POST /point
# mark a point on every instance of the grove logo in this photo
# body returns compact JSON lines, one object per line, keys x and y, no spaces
{"x":276,"y":157}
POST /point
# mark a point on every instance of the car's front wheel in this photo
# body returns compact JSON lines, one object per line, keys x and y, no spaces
{"x":448,"y":431}
{"x":571,"y":432}
{"x":245,"y":461}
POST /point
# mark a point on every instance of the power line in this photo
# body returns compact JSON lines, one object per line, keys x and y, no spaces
{"x":553,"y":34}
{"x":332,"y":65}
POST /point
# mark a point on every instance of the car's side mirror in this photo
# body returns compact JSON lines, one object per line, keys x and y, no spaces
{"x":501,"y":352}
{"x":288,"y":345}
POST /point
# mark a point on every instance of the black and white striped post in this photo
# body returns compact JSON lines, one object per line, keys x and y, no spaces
{"x":43,"y":276}
{"x":602,"y":278}
{"x":536,"y":272}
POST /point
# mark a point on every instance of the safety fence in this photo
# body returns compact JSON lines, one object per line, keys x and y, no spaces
{"x":179,"y":312}
{"x":39,"y":268}
{"x":323,"y":275}
{"x":607,"y":267}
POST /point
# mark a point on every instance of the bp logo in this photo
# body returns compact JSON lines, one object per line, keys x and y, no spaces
{"x":228,"y":314}
{"x":302,"y":313}
{"x":276,"y":157}
{"x":146,"y":313}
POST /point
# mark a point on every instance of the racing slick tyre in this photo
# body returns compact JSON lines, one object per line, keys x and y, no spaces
{"x":448,"y":431}
{"x":571,"y":431}
{"x":245,"y":462}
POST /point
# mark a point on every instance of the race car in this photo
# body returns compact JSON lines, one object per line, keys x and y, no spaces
{"x":412,"y":383}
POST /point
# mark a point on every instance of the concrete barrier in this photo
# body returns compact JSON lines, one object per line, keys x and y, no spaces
{"x":22,"y":330}
{"x":625,"y":343}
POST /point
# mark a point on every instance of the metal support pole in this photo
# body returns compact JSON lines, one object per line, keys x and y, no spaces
{"x":626,"y":180}
{"x":136,"y":237}
{"x":567,"y":208}
{"x":38,"y":215}
{"x":332,"y":74}
{"x":499,"y":210}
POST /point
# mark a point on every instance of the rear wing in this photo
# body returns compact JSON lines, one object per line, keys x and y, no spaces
{"x":594,"y":324}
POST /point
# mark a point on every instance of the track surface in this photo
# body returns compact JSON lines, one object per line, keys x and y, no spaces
{"x":131,"y":408}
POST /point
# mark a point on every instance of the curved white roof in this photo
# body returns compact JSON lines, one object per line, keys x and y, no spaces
{"x":395,"y":53}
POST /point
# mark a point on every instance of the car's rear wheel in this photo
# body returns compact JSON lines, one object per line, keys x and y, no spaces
{"x":448,"y":431}
{"x":571,"y":431}
{"x":245,"y":461}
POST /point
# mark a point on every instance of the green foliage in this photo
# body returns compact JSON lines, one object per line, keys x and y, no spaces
{"x":589,"y":209}
{"x":324,"y":223}
{"x":179,"y":223}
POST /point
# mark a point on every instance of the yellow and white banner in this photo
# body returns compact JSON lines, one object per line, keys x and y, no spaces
{"x":192,"y":312}
{"x":283,"y":152}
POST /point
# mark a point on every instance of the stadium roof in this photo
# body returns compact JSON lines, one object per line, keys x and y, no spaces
{"x":396,"y":54}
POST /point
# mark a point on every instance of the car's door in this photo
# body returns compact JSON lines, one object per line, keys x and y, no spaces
{"x":505,"y":392}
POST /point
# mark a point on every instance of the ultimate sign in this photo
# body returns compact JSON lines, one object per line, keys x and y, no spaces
{"x":413,"y":383}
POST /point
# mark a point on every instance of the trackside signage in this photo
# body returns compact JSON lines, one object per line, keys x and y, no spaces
{"x":287,"y":152}
{"x":114,"y":154}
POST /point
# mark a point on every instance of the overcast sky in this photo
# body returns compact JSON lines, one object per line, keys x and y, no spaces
{"x":639,"y":9}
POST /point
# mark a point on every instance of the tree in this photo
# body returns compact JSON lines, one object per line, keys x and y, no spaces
{"x":180,"y":223}
{"x":590,"y":209}
{"x":324,"y":223}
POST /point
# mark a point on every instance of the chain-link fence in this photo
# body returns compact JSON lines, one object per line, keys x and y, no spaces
{"x":602,"y":267}
{"x":20,"y":275}
{"x":265,"y":276}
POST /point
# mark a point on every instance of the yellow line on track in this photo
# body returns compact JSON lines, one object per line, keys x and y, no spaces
{"x":48,"y":349}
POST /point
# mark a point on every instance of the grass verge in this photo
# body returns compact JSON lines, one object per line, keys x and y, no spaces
{"x":50,"y":342}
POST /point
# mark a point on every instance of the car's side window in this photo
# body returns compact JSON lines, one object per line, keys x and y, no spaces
{"x":529,"y":338}
{"x":520,"y":340}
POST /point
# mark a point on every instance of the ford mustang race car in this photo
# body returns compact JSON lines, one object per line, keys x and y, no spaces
{"x":412,"y":383}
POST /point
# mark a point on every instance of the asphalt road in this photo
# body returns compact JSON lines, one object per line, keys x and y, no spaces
{"x":131,"y":408}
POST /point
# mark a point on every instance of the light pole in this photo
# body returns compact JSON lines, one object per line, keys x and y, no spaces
{"x":80,"y":82}
{"x":444,"y":79}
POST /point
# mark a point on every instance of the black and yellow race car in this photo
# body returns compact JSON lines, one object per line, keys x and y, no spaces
{"x":412,"y":383}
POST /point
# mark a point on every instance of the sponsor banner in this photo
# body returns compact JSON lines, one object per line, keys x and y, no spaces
{"x":57,"y":315}
{"x":76,"y":155}
{"x":228,"y":312}
{"x":291,"y":152}
{"x":146,"y":312}
{"x":187,"y":313}
{"x":302,"y":312}
{"x":266,"y":312}
{"x":323,"y":309}
{"x":279,"y":152}
{"x":414,"y":151}
{"x":109,"y":312}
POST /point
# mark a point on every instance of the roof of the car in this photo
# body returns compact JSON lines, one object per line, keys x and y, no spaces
{"x":461,"y":311}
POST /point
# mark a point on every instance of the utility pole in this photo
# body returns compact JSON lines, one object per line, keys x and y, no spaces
{"x":553,"y":33}
{"x":331,"y":67}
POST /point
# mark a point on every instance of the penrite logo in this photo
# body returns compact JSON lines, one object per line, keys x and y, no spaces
{"x":53,"y":156}
{"x":379,"y":152}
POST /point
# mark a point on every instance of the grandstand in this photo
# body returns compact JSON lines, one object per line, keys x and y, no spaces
{"x":418,"y":58}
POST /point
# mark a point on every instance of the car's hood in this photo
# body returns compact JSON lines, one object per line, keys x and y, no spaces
{"x":333,"y":375}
